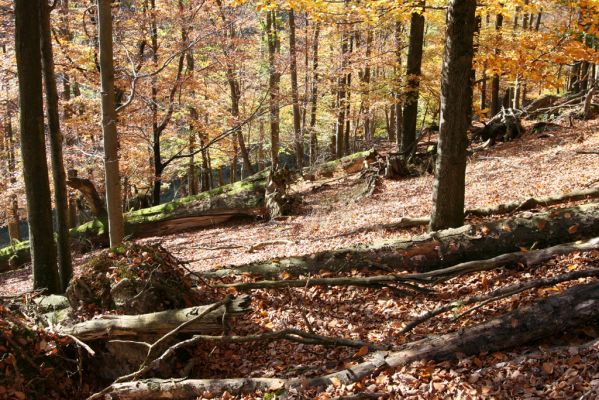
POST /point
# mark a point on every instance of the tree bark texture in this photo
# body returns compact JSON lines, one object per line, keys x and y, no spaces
{"x":456,"y":106}
{"x":274,"y":79}
{"x":114,"y":204}
{"x":33,"y":147}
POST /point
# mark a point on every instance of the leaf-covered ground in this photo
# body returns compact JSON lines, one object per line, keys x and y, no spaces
{"x":561,"y":367}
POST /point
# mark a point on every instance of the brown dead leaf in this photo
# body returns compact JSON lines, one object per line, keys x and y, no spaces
{"x":362,"y":351}
{"x":548,"y":368}
{"x":572,"y":230}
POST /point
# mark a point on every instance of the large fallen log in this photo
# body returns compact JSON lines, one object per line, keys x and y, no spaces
{"x":527,"y":258}
{"x":440,"y":249}
{"x":241,"y":199}
{"x":576,"y":307}
{"x":346,"y":165}
{"x":159,"y":323}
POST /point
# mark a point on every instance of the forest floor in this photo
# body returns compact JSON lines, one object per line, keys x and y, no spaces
{"x":330,"y":217}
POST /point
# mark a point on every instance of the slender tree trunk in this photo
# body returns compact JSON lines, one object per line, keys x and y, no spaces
{"x":483,"y":88}
{"x":314,"y":97}
{"x":456,"y":104}
{"x":273,"y":84}
{"x":65,"y":267}
{"x":413,"y":72}
{"x":574,"y":81}
{"x":109,"y":127}
{"x":234,"y":87}
{"x":260,"y":145}
{"x":33,"y":148}
{"x":297,"y":128}
{"x":366,"y":78}
{"x":495,"y":101}
{"x":341,"y":98}
{"x":347,"y":112}
{"x":397,"y":110}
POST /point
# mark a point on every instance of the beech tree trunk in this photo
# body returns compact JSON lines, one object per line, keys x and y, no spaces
{"x":65,"y":267}
{"x":274,"y":46}
{"x":33,"y":147}
{"x":341,"y":98}
{"x":109,"y":129}
{"x":414,"y":64}
{"x":456,"y":106}
{"x":314,"y":97}
{"x":297,"y":128}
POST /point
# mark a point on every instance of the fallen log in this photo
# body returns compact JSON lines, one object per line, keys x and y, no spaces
{"x":534,"y":202}
{"x":528,"y":204}
{"x":577,"y":306}
{"x":527,"y":258}
{"x":159,"y":323}
{"x":245,"y":198}
{"x":346,"y":165}
{"x":440,"y":249}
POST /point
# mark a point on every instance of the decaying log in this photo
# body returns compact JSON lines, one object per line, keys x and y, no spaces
{"x":443,"y":248}
{"x":159,"y":323}
{"x":576,"y":307}
{"x":191,"y":388}
{"x":526,"y":258}
{"x":346,"y":165}
{"x":245,"y":198}
{"x":528,"y":204}
{"x":534,"y":202}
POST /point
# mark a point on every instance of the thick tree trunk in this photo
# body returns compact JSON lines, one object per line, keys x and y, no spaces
{"x":297,"y":128}
{"x":414,"y":63}
{"x":442,"y":248}
{"x":456,"y":106}
{"x":158,"y":323}
{"x":33,"y":148}
{"x":109,"y":128}
{"x":397,"y":109}
{"x":274,"y":79}
{"x":65,"y":267}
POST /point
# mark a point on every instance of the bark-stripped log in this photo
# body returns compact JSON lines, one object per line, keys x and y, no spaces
{"x":159,"y":323}
{"x":442,"y":248}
